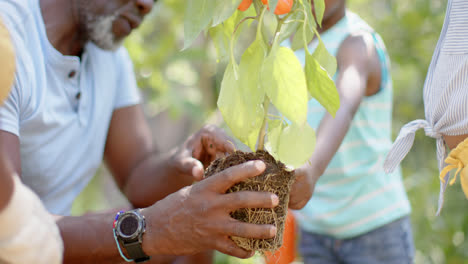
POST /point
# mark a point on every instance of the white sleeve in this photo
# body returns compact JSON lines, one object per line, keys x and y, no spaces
{"x":10,"y":112}
{"x":28,"y":233}
{"x":127,"y":90}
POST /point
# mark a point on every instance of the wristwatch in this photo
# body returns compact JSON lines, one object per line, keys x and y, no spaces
{"x":129,"y":228}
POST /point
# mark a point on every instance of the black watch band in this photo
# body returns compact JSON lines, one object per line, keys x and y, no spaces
{"x":135,"y":251}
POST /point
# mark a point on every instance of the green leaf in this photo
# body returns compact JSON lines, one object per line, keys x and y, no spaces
{"x":275,"y":128}
{"x":319,"y":7}
{"x":296,"y":144}
{"x":272,"y":4}
{"x":324,"y":58}
{"x":223,"y":9}
{"x":198,"y":15}
{"x":240,"y":101}
{"x":221,"y":35}
{"x":298,"y":39}
{"x":321,"y":86}
{"x":292,"y":144}
{"x":284,"y":82}
{"x":309,"y":19}
{"x":293,"y":25}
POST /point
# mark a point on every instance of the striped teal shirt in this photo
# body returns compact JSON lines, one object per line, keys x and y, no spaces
{"x":355,"y":196}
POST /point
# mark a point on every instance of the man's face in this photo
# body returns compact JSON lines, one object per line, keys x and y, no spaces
{"x":107,"y":22}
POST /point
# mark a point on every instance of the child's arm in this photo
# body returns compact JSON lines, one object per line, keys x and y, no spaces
{"x":358,"y":76}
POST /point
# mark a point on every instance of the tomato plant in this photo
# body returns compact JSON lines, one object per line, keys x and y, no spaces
{"x":268,"y":75}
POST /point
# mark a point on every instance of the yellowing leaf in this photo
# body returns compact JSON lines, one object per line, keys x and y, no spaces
{"x":223,"y":9}
{"x":275,"y":128}
{"x":292,"y":144}
{"x":319,"y":6}
{"x":284,"y":82}
{"x":298,"y":41}
{"x":221,"y":35}
{"x":240,"y":101}
{"x":325,"y":59}
{"x":321,"y":86}
{"x":198,"y":15}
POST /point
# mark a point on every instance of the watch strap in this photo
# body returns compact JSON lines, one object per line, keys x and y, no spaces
{"x":135,"y":251}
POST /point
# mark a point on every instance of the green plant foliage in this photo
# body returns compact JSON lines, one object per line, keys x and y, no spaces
{"x":267,"y":73}
{"x":290,"y":143}
{"x":275,"y":128}
{"x":223,"y":10}
{"x":324,"y":58}
{"x":240,"y":100}
{"x":284,"y":82}
{"x":302,"y":36}
{"x":198,"y":15}
{"x":320,"y":86}
{"x":295,"y":144}
{"x":319,"y":7}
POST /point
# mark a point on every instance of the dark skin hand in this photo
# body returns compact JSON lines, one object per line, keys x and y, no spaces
{"x":146,"y":177}
{"x":192,"y":220}
{"x":7,"y":186}
{"x":358,"y":76}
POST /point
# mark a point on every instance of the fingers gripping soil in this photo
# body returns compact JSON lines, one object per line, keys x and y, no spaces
{"x":242,"y":229}
{"x":227,"y":246}
{"x":200,"y":215}
{"x":222,"y":181}
{"x":249,"y":199}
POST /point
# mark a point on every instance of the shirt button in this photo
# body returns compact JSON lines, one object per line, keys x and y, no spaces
{"x":72,"y":74}
{"x":78,"y":96}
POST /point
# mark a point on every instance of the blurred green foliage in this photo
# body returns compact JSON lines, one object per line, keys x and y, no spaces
{"x":187,"y":82}
{"x":411,"y":30}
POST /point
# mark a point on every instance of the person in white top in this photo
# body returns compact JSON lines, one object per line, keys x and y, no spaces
{"x":75,"y":103}
{"x":445,"y":103}
{"x":28,"y":233}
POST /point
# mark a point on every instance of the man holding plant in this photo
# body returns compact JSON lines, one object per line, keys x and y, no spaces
{"x":75,"y":103}
{"x":357,"y":213}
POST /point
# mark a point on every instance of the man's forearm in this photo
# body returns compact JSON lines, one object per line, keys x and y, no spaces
{"x":153,"y":179}
{"x":88,"y":239}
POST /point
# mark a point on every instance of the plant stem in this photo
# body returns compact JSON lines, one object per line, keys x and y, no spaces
{"x":242,"y":21}
{"x":266,"y":102}
{"x":261,"y":136}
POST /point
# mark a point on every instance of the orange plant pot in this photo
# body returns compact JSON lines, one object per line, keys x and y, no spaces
{"x":287,"y":252}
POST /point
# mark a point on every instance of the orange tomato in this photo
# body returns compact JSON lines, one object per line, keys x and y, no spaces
{"x":244,"y":5}
{"x":283,"y":7}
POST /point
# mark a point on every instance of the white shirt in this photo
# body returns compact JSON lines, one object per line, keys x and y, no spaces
{"x":445,"y":92}
{"x":60,"y":106}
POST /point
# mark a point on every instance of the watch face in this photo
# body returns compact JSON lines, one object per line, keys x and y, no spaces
{"x":129,"y":226}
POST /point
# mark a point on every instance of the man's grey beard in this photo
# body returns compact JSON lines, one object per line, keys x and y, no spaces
{"x":100,"y":32}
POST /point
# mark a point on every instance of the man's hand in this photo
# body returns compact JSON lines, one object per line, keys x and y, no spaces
{"x":197,"y":217}
{"x":303,"y":188}
{"x":200,"y":150}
